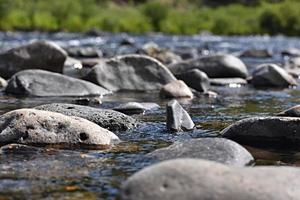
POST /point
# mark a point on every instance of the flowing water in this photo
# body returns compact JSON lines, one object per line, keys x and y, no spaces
{"x":49,"y":173}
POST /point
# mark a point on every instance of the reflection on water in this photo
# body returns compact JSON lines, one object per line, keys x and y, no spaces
{"x":49,"y":173}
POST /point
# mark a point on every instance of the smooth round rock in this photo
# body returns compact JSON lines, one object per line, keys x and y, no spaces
{"x":191,"y":179}
{"x":42,"y":54}
{"x":109,"y":119}
{"x":271,"y":75}
{"x":131,"y":72}
{"x":30,"y":126}
{"x":265,"y":129}
{"x":136,"y":107}
{"x":3,"y":82}
{"x":291,"y":52}
{"x":43,"y":83}
{"x":215,"y":149}
{"x":256,"y":53}
{"x":177,"y":118}
{"x":195,"y":79}
{"x":176,"y":89}
{"x":215,"y":66}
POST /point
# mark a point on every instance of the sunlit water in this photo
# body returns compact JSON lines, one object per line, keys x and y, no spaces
{"x":49,"y":173}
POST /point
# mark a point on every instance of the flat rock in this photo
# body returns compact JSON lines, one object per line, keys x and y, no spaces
{"x":291,"y":112}
{"x":195,"y":79}
{"x":44,"y":55}
{"x":265,"y":129}
{"x":43,"y":83}
{"x":177,"y":118}
{"x":136,"y":107}
{"x":215,"y":149}
{"x":176,"y":89}
{"x":227,"y":81}
{"x":271,"y":75}
{"x":30,"y":126}
{"x":215,"y":66}
{"x":192,"y":179}
{"x":108,"y":119}
{"x":130,"y":72}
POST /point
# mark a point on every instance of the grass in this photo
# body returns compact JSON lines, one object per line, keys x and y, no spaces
{"x":171,"y":16}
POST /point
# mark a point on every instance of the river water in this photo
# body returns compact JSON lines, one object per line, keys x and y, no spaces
{"x":49,"y":173}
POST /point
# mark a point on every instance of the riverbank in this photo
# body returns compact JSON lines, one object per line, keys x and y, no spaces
{"x":185,"y":18}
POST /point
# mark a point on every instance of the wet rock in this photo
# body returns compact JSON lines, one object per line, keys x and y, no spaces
{"x":214,"y":149}
{"x":43,"y":83}
{"x":191,"y":179}
{"x":88,"y":101}
{"x":271,"y":75}
{"x":291,"y":112}
{"x":187,"y":53}
{"x":176,"y":89}
{"x":135,"y":107}
{"x":84,"y":52}
{"x":127,"y":41}
{"x":291,"y":52}
{"x":37,"y":55}
{"x":228,"y":81}
{"x":177,"y":118}
{"x":195,"y":79}
{"x":3,"y":83}
{"x":30,"y":126}
{"x":256,"y":53}
{"x":131,"y":72}
{"x":215,"y":66}
{"x":108,"y":119}
{"x":284,"y":130}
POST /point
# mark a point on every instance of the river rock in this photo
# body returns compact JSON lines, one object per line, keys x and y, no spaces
{"x":3,"y":83}
{"x":267,"y":129}
{"x":215,"y":66}
{"x":214,"y":149}
{"x":227,"y":81}
{"x":177,"y":118}
{"x":131,"y":72}
{"x":291,"y":52}
{"x":30,"y":126}
{"x":176,"y":89}
{"x":291,"y":112}
{"x":271,"y":75}
{"x":44,"y":55}
{"x":136,"y":108}
{"x":256,"y":53}
{"x":195,"y":79}
{"x":191,"y":179}
{"x":84,"y":52}
{"x":108,"y":119}
{"x":43,"y":83}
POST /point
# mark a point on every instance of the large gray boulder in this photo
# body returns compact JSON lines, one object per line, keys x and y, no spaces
{"x":108,"y":119}
{"x":215,"y":66}
{"x":130,"y":72}
{"x":271,"y":75}
{"x":177,"y":118}
{"x":191,"y":179}
{"x":30,"y":126}
{"x":268,"y":129}
{"x":44,"y":55}
{"x":43,"y":83}
{"x":215,"y":149}
{"x":195,"y":79}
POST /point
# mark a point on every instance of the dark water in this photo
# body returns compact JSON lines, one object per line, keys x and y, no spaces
{"x":49,"y":173}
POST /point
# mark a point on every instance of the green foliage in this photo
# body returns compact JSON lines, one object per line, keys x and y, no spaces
{"x":140,"y":16}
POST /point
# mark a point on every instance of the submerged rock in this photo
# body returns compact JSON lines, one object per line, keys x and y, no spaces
{"x":109,"y":119}
{"x":44,"y":55}
{"x":176,"y":89}
{"x":131,"y":72}
{"x":177,"y":118}
{"x":195,"y":79}
{"x":291,"y":112}
{"x":30,"y":126}
{"x":43,"y":83}
{"x":265,"y":129}
{"x":228,"y":81}
{"x":257,"y":53}
{"x":135,"y":107}
{"x":192,"y":179}
{"x":214,"y":149}
{"x":215,"y":66}
{"x":271,"y":75}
